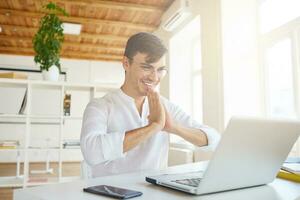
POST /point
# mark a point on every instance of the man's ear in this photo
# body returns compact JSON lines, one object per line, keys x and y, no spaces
{"x":125,"y":62}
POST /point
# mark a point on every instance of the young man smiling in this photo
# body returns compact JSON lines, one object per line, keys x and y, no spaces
{"x":128,"y":129}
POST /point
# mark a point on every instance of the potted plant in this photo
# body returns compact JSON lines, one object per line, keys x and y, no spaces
{"x":47,"y":42}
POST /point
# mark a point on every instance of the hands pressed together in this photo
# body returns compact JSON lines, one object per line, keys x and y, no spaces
{"x":158,"y":113}
{"x":160,"y":120}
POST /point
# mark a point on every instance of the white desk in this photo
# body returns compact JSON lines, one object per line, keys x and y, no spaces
{"x":277,"y":190}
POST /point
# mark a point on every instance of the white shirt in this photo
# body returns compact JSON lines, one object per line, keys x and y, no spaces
{"x":105,"y":122}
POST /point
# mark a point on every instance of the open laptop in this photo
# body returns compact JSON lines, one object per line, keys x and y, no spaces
{"x":250,"y":153}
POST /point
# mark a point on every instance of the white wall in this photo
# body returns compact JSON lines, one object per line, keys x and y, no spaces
{"x":82,"y":71}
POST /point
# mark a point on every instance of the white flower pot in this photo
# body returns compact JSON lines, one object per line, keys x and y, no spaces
{"x":52,"y":74}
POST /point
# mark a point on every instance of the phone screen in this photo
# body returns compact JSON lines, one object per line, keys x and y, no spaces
{"x":112,"y":191}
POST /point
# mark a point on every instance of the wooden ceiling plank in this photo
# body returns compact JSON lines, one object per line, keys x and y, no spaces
{"x":92,"y":54}
{"x":16,"y":28}
{"x":82,"y":20}
{"x":65,"y":44}
{"x":71,"y":54}
{"x":113,"y":5}
{"x":68,"y":57}
{"x":16,"y":49}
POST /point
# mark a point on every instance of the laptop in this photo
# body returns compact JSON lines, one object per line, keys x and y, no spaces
{"x":250,"y":153}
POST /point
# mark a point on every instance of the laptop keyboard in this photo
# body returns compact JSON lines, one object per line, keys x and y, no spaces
{"x":194,"y":182}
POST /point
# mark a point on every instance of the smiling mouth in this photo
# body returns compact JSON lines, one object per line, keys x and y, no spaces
{"x":152,"y":85}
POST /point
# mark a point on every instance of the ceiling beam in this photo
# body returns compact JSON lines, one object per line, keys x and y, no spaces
{"x":65,"y":44}
{"x":100,"y":36}
{"x":113,"y":5}
{"x":81,"y":20}
{"x":67,"y":54}
{"x":68,"y":57}
{"x":88,"y":55}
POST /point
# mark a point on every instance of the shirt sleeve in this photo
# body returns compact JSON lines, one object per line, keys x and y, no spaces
{"x":186,"y":120}
{"x":97,"y":145}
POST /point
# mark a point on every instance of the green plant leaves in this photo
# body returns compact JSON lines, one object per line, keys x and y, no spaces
{"x":47,"y":42}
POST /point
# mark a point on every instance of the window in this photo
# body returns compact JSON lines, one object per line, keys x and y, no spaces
{"x":274,"y":13}
{"x":279,"y":78}
{"x":281,"y":56}
{"x":196,"y":80}
{"x":185,"y":71}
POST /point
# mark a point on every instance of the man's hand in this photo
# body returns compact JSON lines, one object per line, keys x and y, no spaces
{"x":157,"y":112}
{"x":194,"y":136}
{"x":169,"y":124}
{"x":157,"y":120}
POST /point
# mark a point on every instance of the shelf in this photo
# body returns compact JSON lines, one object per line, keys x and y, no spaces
{"x":72,"y":117}
{"x":12,"y":119}
{"x":47,"y":118}
{"x":12,"y":116}
{"x":43,"y":148}
{"x":22,"y":149}
{"x":11,"y":181}
{"x":9,"y":81}
{"x":12,"y":82}
{"x":17,"y":118}
{"x":43,"y":84}
{"x":69,"y":148}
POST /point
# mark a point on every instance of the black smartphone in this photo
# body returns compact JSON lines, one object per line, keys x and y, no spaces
{"x":115,"y":192}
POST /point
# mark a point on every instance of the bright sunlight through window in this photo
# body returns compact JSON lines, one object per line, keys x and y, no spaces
{"x":185,"y":71}
{"x":274,"y":13}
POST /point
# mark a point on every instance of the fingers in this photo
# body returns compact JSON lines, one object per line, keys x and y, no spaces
{"x":154,"y":100}
{"x":155,"y":106}
{"x":150,"y":101}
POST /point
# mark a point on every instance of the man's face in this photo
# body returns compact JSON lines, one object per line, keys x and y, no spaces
{"x":142,"y":76}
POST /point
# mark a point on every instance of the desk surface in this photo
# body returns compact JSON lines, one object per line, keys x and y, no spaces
{"x":277,"y":190}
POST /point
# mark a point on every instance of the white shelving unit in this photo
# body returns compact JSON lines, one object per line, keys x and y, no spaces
{"x":36,"y":116}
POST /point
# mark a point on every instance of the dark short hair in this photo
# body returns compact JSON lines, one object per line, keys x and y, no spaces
{"x":145,"y":43}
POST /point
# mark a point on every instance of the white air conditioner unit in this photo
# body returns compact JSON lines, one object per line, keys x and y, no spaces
{"x":176,"y":14}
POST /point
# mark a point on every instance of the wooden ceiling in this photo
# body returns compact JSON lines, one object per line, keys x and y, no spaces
{"x":106,"y":25}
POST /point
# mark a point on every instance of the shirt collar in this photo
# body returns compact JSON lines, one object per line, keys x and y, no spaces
{"x":125,"y":96}
{"x":131,"y":100}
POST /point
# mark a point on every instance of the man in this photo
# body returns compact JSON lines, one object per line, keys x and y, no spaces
{"x":128,"y":129}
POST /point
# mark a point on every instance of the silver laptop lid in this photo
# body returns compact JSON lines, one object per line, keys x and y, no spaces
{"x":250,"y":153}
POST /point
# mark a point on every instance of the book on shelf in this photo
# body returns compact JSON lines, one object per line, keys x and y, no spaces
{"x":8,"y":147}
{"x":23,"y":105}
{"x":9,"y":144}
{"x":12,"y":100}
{"x":13,"y":75}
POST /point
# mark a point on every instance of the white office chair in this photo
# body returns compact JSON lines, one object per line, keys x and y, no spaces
{"x":85,"y":170}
